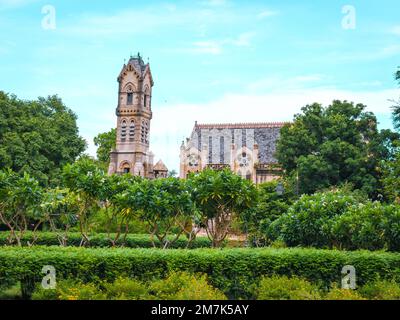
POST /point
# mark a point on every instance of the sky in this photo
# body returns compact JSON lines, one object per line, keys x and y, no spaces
{"x":213,"y":61}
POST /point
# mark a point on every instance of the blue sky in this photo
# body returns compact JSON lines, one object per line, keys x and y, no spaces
{"x":212,"y":60}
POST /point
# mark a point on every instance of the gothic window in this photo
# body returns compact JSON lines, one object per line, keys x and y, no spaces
{"x":129,"y":93}
{"x":233,"y":135}
{"x":210,"y":149}
{"x":244,"y":138}
{"x":145,"y":132}
{"x":145,"y":101}
{"x":130,"y":98}
{"x":248,"y":175}
{"x":193,"y":160}
{"x":123,"y":130}
{"x":132,"y":130}
{"x":221,"y":150}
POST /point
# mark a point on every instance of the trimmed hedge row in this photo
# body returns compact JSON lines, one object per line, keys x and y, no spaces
{"x":101,"y":240}
{"x":234,"y":271}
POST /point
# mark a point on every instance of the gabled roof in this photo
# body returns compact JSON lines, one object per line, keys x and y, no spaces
{"x":160,"y":166}
{"x":255,"y":125}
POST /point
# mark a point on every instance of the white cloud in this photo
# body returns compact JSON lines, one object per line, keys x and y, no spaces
{"x":395,"y":30}
{"x":243,"y":40}
{"x":267,"y":13}
{"x":208,"y":47}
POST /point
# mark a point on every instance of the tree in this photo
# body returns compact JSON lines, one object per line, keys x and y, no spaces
{"x":165,"y":205}
{"x":85,"y":179}
{"x":105,"y":142}
{"x":38,"y":137}
{"x":19,"y":199}
{"x":220,"y":196}
{"x":271,"y":205}
{"x":114,"y":207}
{"x":332,"y":146}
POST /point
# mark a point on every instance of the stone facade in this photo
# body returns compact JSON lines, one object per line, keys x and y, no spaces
{"x":134,"y":113}
{"x":247,"y":149}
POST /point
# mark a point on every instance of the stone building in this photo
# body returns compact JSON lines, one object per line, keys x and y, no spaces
{"x":134,"y":114}
{"x":246,"y":148}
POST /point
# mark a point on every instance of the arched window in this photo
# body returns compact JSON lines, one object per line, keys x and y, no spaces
{"x":145,"y":132}
{"x":132,"y":130}
{"x":129,"y":94}
{"x":123,"y":130}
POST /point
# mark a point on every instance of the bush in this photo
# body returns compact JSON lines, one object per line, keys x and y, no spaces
{"x":381,"y":290}
{"x":177,"y":286}
{"x":371,"y":226}
{"x":69,"y":290}
{"x":284,"y":288}
{"x":185,"y":286}
{"x":308,"y":222}
{"x":101,"y":240}
{"x":343,"y":294}
{"x":233,"y":271}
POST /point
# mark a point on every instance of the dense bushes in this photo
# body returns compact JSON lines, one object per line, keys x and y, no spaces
{"x":176,"y":286}
{"x":188,"y":286}
{"x":102,"y":240}
{"x":233,"y":271}
{"x":339,"y":219}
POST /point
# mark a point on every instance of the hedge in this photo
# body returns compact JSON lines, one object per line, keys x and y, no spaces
{"x":234,"y":271}
{"x":101,"y":240}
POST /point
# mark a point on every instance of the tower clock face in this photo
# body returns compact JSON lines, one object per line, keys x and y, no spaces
{"x":244,"y":160}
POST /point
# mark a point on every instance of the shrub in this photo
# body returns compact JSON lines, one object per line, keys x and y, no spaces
{"x":69,"y":290}
{"x":126,"y":289}
{"x":371,"y":226}
{"x":177,"y":286}
{"x":185,"y":286}
{"x":381,"y":290}
{"x":284,"y":288}
{"x":308,"y":222}
{"x":101,"y":240}
{"x":233,"y":271}
{"x":343,"y":294}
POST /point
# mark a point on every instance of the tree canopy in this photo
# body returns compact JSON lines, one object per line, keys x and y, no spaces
{"x":38,"y":137}
{"x":330,"y":146}
{"x":396,"y":108}
{"x":105,"y":142}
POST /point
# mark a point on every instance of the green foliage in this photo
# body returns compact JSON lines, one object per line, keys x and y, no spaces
{"x":74,"y":239}
{"x":176,"y":286}
{"x":69,"y":290}
{"x":308,"y":222}
{"x":371,"y":226}
{"x":38,"y":137}
{"x":330,"y":146}
{"x":105,"y":142}
{"x":184,"y":286}
{"x":221,"y":195}
{"x":381,"y":290}
{"x":19,"y":197}
{"x":343,"y":294}
{"x":391,"y":180}
{"x":233,"y":271}
{"x":284,"y":288}
{"x":269,"y":207}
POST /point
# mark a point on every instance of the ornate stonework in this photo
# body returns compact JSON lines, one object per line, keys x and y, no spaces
{"x":246,"y":148}
{"x":134,"y":114}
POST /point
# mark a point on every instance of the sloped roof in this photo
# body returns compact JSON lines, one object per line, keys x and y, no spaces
{"x":160,"y":166}
{"x":256,"y":125}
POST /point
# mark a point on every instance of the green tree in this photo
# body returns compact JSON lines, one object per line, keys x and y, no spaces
{"x":85,"y":179}
{"x":19,"y":209}
{"x":164,"y":204}
{"x":334,"y":145}
{"x":220,"y":196}
{"x":38,"y":137}
{"x":105,"y":142}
